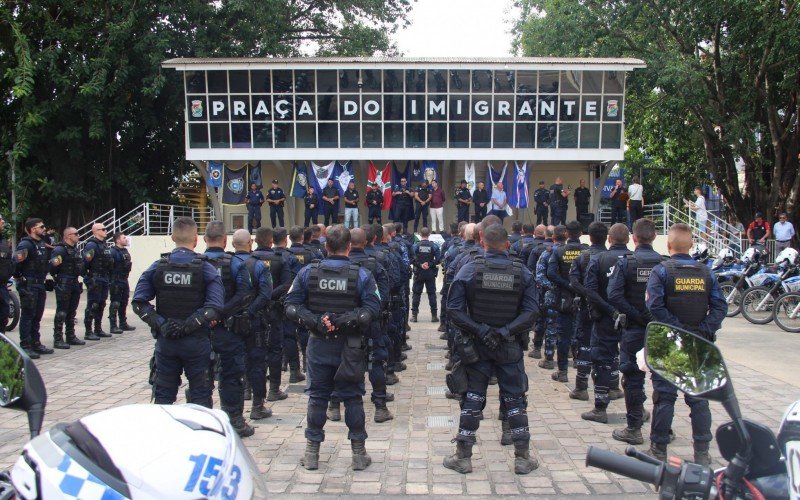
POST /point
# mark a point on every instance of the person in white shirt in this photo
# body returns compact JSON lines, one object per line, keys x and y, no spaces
{"x":497,"y":205}
{"x":699,"y":207}
{"x":784,"y":232}
{"x":635,"y":201}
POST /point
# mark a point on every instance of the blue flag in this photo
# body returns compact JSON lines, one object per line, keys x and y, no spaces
{"x":344,"y":174}
{"x":234,"y":187}
{"x":430,"y":171}
{"x":214,"y":174}
{"x":254,"y":175}
{"x":299,"y":180}
{"x":319,"y":175}
{"x":415,"y":169}
{"x":518,"y":190}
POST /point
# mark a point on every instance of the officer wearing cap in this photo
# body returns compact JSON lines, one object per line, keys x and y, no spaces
{"x":120,"y":290}
{"x":336,"y":300}
{"x":98,"y":263}
{"x":404,"y":210}
{"x":493,"y":300}
{"x":426,"y":261}
{"x":626,"y":293}
{"x":374,"y":203}
{"x":6,"y":271}
{"x":276,"y":199}
{"x":189,"y":299}
{"x":542,"y":198}
{"x":31,"y":270}
{"x":684,"y":293}
{"x":463,"y":201}
{"x":254,"y":199}
{"x":66,"y":266}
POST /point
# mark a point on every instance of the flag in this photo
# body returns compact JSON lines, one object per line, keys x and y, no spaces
{"x":383,"y":179}
{"x":299,"y":180}
{"x":344,"y":175}
{"x":469,"y":176}
{"x":254,"y":175}
{"x":416,"y":171}
{"x":396,"y":176}
{"x":518,"y":190}
{"x":234,"y":187}
{"x":318,"y":177}
{"x":493,"y":177}
{"x":214,"y":170}
{"x":430,"y":171}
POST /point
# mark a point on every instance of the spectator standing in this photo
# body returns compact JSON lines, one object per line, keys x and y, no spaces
{"x":784,"y":232}
{"x":558,"y":202}
{"x":618,"y":205}
{"x":437,"y":207}
{"x":759,"y":230}
{"x":498,"y":203}
{"x":699,"y":207}
{"x":351,"y":206}
{"x":635,"y":200}
{"x":480,"y":197}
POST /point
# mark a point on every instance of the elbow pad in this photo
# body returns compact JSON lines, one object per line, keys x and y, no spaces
{"x":364,"y":319}
{"x":148,"y":314}
{"x":200,"y":319}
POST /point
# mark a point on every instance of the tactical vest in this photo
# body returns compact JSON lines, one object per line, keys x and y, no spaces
{"x":496,"y":296}
{"x":71,"y":263}
{"x":586,"y":256}
{"x":367,"y":262}
{"x":102,"y":262}
{"x":687,"y":292}
{"x":526,"y":246}
{"x":122,"y":269}
{"x":424,"y":254}
{"x":180,"y":288}
{"x":223,"y":266}
{"x":605,"y":266}
{"x":637,"y":274}
{"x":332,"y":290}
{"x":566,"y":255}
{"x":36,"y":265}
{"x":274,"y":262}
{"x":6,"y":262}
{"x":538,"y":250}
{"x":303,"y":255}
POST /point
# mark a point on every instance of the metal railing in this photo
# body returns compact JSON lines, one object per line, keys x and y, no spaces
{"x":147,"y":219}
{"x":107,"y":218}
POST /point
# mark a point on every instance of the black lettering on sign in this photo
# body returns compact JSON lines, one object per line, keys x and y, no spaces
{"x":175,"y":278}
{"x":498,"y":281}
{"x":643,"y":274}
{"x":333,"y":284}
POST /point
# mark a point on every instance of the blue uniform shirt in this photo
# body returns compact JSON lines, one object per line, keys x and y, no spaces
{"x":591,"y":283}
{"x":26,"y":251}
{"x":254,"y":199}
{"x":59,"y":251}
{"x":616,"y":284}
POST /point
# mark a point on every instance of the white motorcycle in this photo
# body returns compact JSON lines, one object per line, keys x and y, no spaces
{"x":135,"y":451}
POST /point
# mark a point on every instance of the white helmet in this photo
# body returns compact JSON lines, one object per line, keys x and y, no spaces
{"x":140,"y":452}
{"x":752,"y":254}
{"x":699,"y":251}
{"x":788,"y":256}
{"x":725,"y":256}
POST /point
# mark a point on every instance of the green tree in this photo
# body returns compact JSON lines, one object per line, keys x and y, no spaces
{"x":720,"y":89}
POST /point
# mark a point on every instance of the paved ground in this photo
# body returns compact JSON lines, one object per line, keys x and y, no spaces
{"x":407,"y":452}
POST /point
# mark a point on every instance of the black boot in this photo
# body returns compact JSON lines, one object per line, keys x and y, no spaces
{"x":90,"y":334}
{"x":360,"y":458}
{"x":701,"y":455}
{"x":73,"y":340}
{"x":524,"y":463}
{"x":114,"y":327}
{"x":596,"y":415}
{"x":630,"y":435}
{"x":310,"y":460}
{"x":413,"y":317}
{"x":123,"y":324}
{"x":382,"y":414}
{"x":275,"y":393}
{"x":461,"y":460}
{"x":505,"y":439}
{"x":238,"y":423}
{"x":434,"y":317}
{"x":294,"y":373}
{"x":259,"y":411}
{"x":58,"y":341}
{"x":657,"y":451}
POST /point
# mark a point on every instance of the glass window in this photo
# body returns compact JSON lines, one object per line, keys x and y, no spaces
{"x":350,"y":135}
{"x":371,"y":78}
{"x":262,"y":135}
{"x":282,"y":108}
{"x":348,"y":80}
{"x":503,"y":135}
{"x":415,"y":80}
{"x":482,"y":80}
{"x":348,"y":107}
{"x":284,"y":135}
{"x":241,"y":135}
{"x":260,"y":82}
{"x":371,"y":135}
{"x":304,"y":80}
{"x":504,"y":107}
{"x":481,"y":135}
{"x":526,"y":135}
{"x":459,"y":107}
{"x":198,"y":108}
{"x":415,"y":135}
{"x":218,"y":110}
{"x":415,"y":107}
{"x":326,"y":81}
{"x":282,"y":81}
{"x":240,"y":81}
{"x":612,"y":136}
{"x":613,"y":82}
{"x":195,"y":82}
{"x":590,"y":108}
{"x":217,"y":82}
{"x":592,"y":82}
{"x":504,"y":82}
{"x":240,"y":107}
{"x":371,"y":107}
{"x":393,"y":135}
{"x":304,"y":107}
{"x":392,"y":80}
{"x":526,"y":82}
{"x":437,"y":135}
{"x":459,"y":135}
{"x":570,"y":81}
{"x":198,"y":135}
{"x":392,"y":107}
{"x":328,"y":134}
{"x":590,"y":135}
{"x":547,"y":106}
{"x":306,"y":135}
{"x":437,"y":80}
{"x":481,"y":108}
{"x":569,"y":108}
{"x":327,"y":108}
{"x":459,"y":81}
{"x":526,"y":108}
{"x":220,"y":135}
{"x":261,"y":107}
{"x":546,"y":134}
{"x":548,"y":82}
{"x":612,"y":108}
{"x":436,"y":107}
{"x":568,"y":135}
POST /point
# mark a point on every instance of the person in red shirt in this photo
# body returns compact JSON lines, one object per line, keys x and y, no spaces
{"x":437,"y":207}
{"x":759,"y":230}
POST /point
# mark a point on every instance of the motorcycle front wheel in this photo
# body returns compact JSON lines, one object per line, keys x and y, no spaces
{"x":786,"y":312}
{"x":733,"y":297}
{"x":13,"y":310}
{"x":757,"y":304}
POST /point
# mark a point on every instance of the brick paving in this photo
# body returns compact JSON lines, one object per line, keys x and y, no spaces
{"x":407,"y":452}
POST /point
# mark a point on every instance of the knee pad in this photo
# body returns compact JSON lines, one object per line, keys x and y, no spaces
{"x":171,"y":382}
{"x":514,"y":401}
{"x":114,"y":306}
{"x":94,"y":306}
{"x":474,"y":400}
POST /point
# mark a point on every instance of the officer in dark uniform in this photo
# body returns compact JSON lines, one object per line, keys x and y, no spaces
{"x":280,"y":248}
{"x":304,"y":257}
{"x":312,"y":209}
{"x":336,"y":300}
{"x":228,"y":337}
{"x":330,"y":203}
{"x":598,"y":233}
{"x":455,"y":240}
{"x":558,"y":202}
{"x":98,"y":263}
{"x":66,"y":266}
{"x":582,"y":196}
{"x":626,"y":293}
{"x":463,"y":201}
{"x":120,"y":290}
{"x":542,"y":198}
{"x":374,"y":203}
{"x":426,"y":261}
{"x":539,"y":255}
{"x":561,"y":258}
{"x":276,"y":199}
{"x":403,"y":196}
{"x":31,"y":271}
{"x":605,"y":335}
{"x":422,"y":202}
{"x":6,"y":272}
{"x":480,"y":198}
{"x":516,"y":232}
{"x":524,"y":246}
{"x":493,"y":301}
{"x":189,"y":298}
{"x":254,"y":199}
{"x":315,"y":244}
{"x":397,"y":271}
{"x":686,"y":294}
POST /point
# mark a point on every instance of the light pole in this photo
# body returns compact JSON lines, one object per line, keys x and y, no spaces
{"x":13,"y":199}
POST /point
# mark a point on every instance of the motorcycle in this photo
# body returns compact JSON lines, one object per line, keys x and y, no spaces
{"x":134,"y":451}
{"x":756,"y":467}
{"x":750,"y":276}
{"x":13,"y":306}
{"x":786,"y":312}
{"x":758,"y":301}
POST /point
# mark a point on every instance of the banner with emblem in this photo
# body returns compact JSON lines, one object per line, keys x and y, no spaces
{"x":299,"y":180}
{"x":518,"y":190}
{"x":318,"y":177}
{"x":344,"y":174}
{"x":383,"y":178}
{"x":214,"y":174}
{"x":234,"y":187}
{"x":415,"y":171}
{"x":493,"y":177}
{"x":430,"y":171}
{"x":469,"y":176}
{"x":254,"y":175}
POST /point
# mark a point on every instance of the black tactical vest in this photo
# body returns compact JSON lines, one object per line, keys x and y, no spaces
{"x":6,"y":262}
{"x":366,"y":261}
{"x":566,"y":254}
{"x":303,"y":255}
{"x":36,"y":265}
{"x":72,"y":263}
{"x":605,"y":266}
{"x":122,"y":269}
{"x":526,"y":246}
{"x":274,"y":262}
{"x":223,"y":266}
{"x":687,"y":292}
{"x":332,"y":290}
{"x":496,"y":296}
{"x":637,"y":274}
{"x":103,"y":261}
{"x":538,"y":250}
{"x":424,"y":254}
{"x":180,"y":288}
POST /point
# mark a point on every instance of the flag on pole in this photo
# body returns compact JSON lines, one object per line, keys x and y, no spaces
{"x":214,"y":174}
{"x":344,"y":175}
{"x":254,"y":175}
{"x":469,"y":176}
{"x":493,"y":177}
{"x":518,"y":190}
{"x":383,"y":179}
{"x":319,"y":176}
{"x":233,"y":187}
{"x":299,"y":180}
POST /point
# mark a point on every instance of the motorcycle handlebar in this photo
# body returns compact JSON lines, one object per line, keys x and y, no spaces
{"x":625,"y":466}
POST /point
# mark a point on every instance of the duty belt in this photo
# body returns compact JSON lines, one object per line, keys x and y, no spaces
{"x":328,"y":336}
{"x":68,"y":280}
{"x":33,"y":281}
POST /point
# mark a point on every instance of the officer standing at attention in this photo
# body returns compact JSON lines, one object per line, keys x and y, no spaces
{"x":480,"y":197}
{"x":288,"y":327}
{"x":254,"y":199}
{"x":276,"y":198}
{"x":120,"y":289}
{"x":426,"y":261}
{"x":463,"y":201}
{"x":351,"y":197}
{"x":493,"y":300}
{"x":6,"y":271}
{"x":336,"y":300}
{"x":582,"y":196}
{"x":686,"y":294}
{"x":66,"y":266}
{"x":558,"y":202}
{"x":304,"y":257}
{"x":330,"y":203}
{"x":312,"y":210}
{"x":98,"y":263}
{"x":516,"y":232}
{"x":542,"y":198}
{"x":543,"y":235}
{"x":189,"y":298}
{"x":422,"y":199}
{"x":561,"y":259}
{"x":626,"y":293}
{"x":605,"y":336}
{"x":31,"y":270}
{"x":402,"y":195}
{"x":374,"y":203}
{"x":524,"y":246}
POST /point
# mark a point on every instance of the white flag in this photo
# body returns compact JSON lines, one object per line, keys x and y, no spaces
{"x":469,"y":175}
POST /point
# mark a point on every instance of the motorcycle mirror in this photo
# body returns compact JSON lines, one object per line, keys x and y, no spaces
{"x":687,"y":361}
{"x":21,"y":385}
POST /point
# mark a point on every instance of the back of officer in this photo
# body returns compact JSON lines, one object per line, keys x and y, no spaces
{"x":523,"y":247}
{"x":120,"y":290}
{"x":426,"y":261}
{"x":230,"y":335}
{"x":598,"y":232}
{"x":558,"y":267}
{"x":626,"y":293}
{"x":336,"y":300}
{"x":516,"y":232}
{"x":31,"y":271}
{"x":454,"y":241}
{"x":315,"y":244}
{"x":189,"y":301}
{"x":381,"y":344}
{"x":300,"y":252}
{"x":605,"y":335}
{"x":683,"y":293}
{"x":492,"y":300}
{"x":290,"y":341}
{"x":393,"y":320}
{"x":98,"y":263}
{"x":543,"y":235}
{"x":66,"y":266}
{"x":304,"y":257}
{"x":6,"y":272}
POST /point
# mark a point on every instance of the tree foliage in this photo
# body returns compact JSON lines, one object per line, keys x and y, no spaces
{"x":93,"y":122}
{"x":719,"y":93}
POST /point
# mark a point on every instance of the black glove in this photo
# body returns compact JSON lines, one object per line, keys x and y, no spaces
{"x":491,"y":339}
{"x":647,"y":317}
{"x":49,"y":285}
{"x":320,"y":326}
{"x":347,"y":320}
{"x":172,"y":329}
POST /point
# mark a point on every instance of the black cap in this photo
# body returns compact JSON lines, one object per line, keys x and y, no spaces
{"x":759,"y":214}
{"x":463,"y":181}
{"x":274,"y":181}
